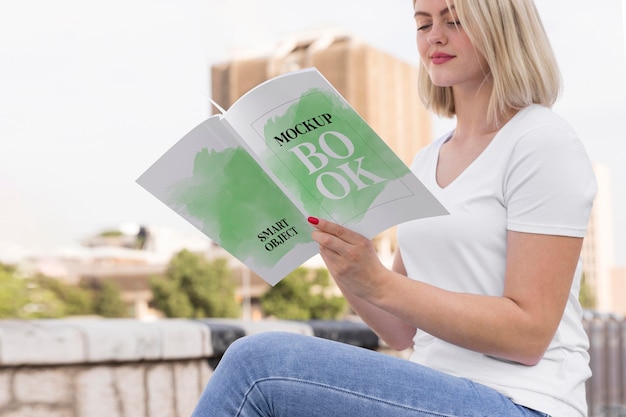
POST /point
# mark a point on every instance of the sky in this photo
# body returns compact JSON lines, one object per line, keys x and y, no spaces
{"x":93,"y":92}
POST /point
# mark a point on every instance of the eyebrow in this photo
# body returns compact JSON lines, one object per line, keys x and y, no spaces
{"x":441,"y":13}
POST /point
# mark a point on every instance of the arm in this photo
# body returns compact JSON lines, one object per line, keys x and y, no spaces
{"x":516,"y":326}
{"x":395,"y":332}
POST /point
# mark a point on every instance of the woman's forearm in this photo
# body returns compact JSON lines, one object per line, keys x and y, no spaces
{"x":395,"y":332}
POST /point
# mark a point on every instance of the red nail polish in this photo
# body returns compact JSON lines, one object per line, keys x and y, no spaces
{"x":313,"y":220}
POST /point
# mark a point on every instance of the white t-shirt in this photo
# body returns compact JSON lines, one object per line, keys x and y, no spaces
{"x":534,"y":177}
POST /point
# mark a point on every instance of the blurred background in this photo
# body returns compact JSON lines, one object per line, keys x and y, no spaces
{"x":91,"y":93}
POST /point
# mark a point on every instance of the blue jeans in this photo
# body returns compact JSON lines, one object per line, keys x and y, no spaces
{"x":289,"y":375}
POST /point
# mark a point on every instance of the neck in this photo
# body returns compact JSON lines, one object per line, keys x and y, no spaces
{"x":472,"y":119}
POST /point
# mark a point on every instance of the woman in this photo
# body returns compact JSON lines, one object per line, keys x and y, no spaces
{"x":487,"y":296}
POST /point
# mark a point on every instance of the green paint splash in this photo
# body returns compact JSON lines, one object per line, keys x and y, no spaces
{"x":377,"y":157}
{"x":234,"y":200}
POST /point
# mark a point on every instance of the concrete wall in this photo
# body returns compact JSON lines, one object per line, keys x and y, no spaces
{"x":130,"y":368}
{"x":126,"y":368}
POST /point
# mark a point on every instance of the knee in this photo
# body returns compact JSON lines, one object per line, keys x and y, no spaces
{"x":262,"y":346}
{"x":259,"y":341}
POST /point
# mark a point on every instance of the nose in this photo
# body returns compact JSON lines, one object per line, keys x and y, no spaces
{"x":436,"y":35}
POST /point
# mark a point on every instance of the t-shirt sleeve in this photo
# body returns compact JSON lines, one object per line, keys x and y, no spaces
{"x":550,"y":185}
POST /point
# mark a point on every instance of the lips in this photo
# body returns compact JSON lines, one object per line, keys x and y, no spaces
{"x":439,"y":58}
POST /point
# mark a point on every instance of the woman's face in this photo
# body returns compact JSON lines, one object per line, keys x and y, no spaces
{"x":444,"y":48}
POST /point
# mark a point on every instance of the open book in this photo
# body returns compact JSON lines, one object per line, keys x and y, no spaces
{"x":290,"y":148}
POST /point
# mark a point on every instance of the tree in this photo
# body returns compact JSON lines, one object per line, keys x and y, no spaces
{"x":40,"y":296}
{"x":303,"y":295}
{"x":586,"y":295}
{"x":167,"y":297}
{"x":42,"y":303}
{"x":195,"y":287}
{"x":22,"y":297}
{"x":25,"y":298}
{"x":108,"y":302}
{"x":77,"y":300}
{"x":13,"y":293}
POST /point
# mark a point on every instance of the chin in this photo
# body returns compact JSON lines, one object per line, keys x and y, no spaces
{"x":441,"y":83}
{"x":441,"y":80}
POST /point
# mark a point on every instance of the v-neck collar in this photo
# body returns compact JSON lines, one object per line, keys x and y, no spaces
{"x":476,"y":160}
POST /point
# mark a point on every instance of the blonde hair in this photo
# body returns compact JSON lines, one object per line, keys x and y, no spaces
{"x":512,"y":39}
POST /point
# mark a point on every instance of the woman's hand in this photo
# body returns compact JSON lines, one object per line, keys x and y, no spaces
{"x":361,"y":277}
{"x":350,"y":257}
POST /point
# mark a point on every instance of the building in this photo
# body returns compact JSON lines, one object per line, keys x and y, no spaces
{"x":618,"y":291}
{"x":598,"y":247}
{"x":381,"y":88}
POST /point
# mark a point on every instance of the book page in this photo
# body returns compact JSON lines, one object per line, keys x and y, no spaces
{"x":332,"y":163}
{"x":211,"y":180}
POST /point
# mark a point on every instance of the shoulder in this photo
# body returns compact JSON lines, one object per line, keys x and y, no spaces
{"x":540,"y":132}
{"x":547,"y":158}
{"x":541,"y":124}
{"x":549,"y":184}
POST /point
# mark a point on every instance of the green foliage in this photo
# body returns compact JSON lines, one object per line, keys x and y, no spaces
{"x":45,"y":297}
{"x":195,"y":287}
{"x":42,"y":304}
{"x":111,"y":233}
{"x":7,"y":268}
{"x":76,"y":300}
{"x":167,"y":297}
{"x":13,"y":294}
{"x":303,"y":295}
{"x":586,"y":295}
{"x":23,"y":298}
{"x":107,"y":301}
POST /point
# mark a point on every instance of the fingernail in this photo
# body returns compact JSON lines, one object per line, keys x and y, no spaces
{"x":313,"y":220}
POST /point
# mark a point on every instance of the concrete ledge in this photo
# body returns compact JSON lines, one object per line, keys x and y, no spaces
{"x":349,"y":332}
{"x":254,"y":327}
{"x":117,"y":367}
{"x":78,"y":341}
{"x":123,"y":368}
{"x":223,"y":334}
{"x":89,"y":341}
